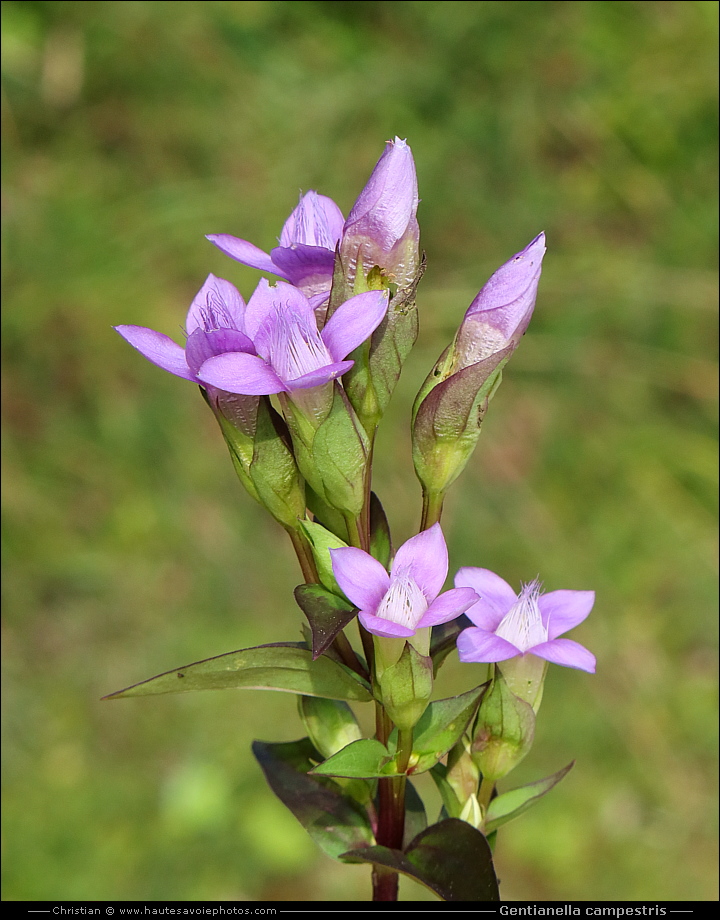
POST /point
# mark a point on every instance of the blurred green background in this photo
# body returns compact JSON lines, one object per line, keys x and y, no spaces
{"x":131,"y":129}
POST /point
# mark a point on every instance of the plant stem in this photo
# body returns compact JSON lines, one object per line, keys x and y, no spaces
{"x":353,"y":526}
{"x":305,"y":556}
{"x":347,"y":653}
{"x":485,"y":792}
{"x":432,"y":508}
{"x":391,"y":808}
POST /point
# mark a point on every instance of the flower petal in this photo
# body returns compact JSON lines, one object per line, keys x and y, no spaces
{"x":241,"y":373}
{"x":316,"y":221}
{"x":320,"y":376}
{"x":217,"y":305}
{"x":495,"y":595}
{"x":425,"y":557}
{"x":380,"y":627}
{"x":201,"y":345}
{"x":448,"y":606}
{"x":563,"y":610}
{"x":501,"y":312}
{"x":264,"y":303}
{"x":389,"y":200}
{"x":476,"y":644}
{"x":353,"y":322}
{"x":566,"y":652}
{"x":309,"y":267}
{"x":362,"y":578}
{"x":158,"y":348}
{"x":245,"y":253}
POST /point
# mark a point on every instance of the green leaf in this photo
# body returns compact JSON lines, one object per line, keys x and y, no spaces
{"x":451,"y":858}
{"x":326,"y":613}
{"x":509,"y":805}
{"x":281,"y":666}
{"x":441,"y":726}
{"x":334,"y":820}
{"x":364,"y":759}
{"x":331,"y":724}
{"x":449,"y":797}
{"x":380,"y":541}
{"x":322,"y":541}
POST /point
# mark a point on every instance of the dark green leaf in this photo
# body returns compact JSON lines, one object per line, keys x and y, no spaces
{"x":451,"y":858}
{"x":509,"y":805}
{"x":334,"y":820}
{"x":282,"y":666}
{"x":443,"y":639}
{"x":380,"y":542}
{"x":326,"y":613}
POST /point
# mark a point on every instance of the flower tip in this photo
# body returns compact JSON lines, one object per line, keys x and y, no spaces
{"x":534,"y":249}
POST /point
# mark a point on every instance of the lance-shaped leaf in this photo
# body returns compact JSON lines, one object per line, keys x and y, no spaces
{"x":364,"y":759}
{"x":451,"y":803}
{"x":322,"y":541}
{"x":451,"y":858}
{"x":441,"y":726}
{"x":282,"y":666}
{"x":509,"y":805}
{"x":380,"y":540}
{"x":333,"y":819}
{"x":326,"y":613}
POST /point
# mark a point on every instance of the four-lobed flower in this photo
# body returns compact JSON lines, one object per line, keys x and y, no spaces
{"x":288,"y":350}
{"x":397,"y":604}
{"x":508,"y":625}
{"x":215,"y":324}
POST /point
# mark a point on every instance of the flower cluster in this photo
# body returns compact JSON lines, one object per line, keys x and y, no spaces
{"x":298,"y":377}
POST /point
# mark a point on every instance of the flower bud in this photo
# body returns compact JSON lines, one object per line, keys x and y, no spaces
{"x":406,"y":685}
{"x":452,"y":402}
{"x":379,"y":242}
{"x":379,"y":250}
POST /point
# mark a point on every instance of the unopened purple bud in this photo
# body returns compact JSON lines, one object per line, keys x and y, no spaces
{"x":500,"y":313}
{"x":451,"y":403}
{"x":382,"y":229}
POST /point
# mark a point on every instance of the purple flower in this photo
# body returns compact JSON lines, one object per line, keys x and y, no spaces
{"x":500,"y":313}
{"x":382,"y":227}
{"x":288,"y":351}
{"x":508,"y":625}
{"x":215,"y":325}
{"x":398,"y":604}
{"x":306,"y":253}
